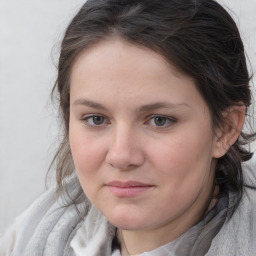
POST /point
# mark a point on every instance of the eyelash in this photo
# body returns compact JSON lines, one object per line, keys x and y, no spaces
{"x":168,"y":121}
{"x":89,"y":118}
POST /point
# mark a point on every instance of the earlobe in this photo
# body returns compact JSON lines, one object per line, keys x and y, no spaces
{"x":234,"y":119}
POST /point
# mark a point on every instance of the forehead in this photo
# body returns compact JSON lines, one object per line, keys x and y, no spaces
{"x":117,"y":48}
{"x":121,"y":71}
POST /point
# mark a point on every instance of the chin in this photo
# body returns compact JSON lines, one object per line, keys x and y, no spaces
{"x":128,"y":219}
{"x":128,"y":225}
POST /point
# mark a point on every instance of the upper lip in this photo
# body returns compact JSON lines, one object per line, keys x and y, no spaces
{"x":128,"y":184}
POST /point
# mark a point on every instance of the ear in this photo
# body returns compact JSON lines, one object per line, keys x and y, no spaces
{"x":234,"y":119}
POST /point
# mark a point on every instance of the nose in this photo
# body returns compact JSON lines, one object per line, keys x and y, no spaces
{"x":125,"y":150}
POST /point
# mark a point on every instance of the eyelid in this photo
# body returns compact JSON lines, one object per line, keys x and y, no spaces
{"x":171,"y":120}
{"x":85,"y":119}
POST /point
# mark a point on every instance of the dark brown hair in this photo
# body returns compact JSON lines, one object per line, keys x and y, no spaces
{"x":198,"y":37}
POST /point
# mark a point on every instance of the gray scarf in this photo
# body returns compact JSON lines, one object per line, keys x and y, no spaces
{"x":49,"y":229}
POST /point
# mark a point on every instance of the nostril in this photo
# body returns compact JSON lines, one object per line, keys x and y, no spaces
{"x":125,"y":159}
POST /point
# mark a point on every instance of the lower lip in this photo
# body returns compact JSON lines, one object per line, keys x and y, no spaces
{"x":128,"y":191}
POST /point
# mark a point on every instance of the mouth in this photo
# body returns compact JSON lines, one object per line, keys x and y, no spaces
{"x":128,"y":188}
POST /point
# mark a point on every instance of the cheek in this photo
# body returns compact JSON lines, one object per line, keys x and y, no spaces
{"x":183,"y":174}
{"x":87,"y":158}
{"x":184,"y":160}
{"x":88,"y":154}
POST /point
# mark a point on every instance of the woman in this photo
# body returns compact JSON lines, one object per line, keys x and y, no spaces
{"x":153,"y":96}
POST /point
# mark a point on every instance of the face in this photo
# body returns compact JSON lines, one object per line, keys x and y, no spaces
{"x":141,"y":137}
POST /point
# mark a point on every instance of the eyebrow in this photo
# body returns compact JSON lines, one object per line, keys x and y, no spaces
{"x":158,"y":105}
{"x":144,"y":108}
{"x":89,"y":104}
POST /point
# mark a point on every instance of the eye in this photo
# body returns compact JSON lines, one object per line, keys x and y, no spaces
{"x":95,"y":120}
{"x":161,"y":121}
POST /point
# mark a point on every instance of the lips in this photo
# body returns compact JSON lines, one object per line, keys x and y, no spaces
{"x":128,"y":189}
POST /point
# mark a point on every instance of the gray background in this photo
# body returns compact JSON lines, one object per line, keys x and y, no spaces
{"x":29,"y":30}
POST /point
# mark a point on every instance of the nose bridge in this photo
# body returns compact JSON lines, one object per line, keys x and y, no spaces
{"x":124,"y":149}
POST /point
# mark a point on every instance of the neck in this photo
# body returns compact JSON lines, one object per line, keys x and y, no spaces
{"x":136,"y":242}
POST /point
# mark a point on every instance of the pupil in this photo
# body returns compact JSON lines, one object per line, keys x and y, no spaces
{"x":160,"y":121}
{"x":98,"y":120}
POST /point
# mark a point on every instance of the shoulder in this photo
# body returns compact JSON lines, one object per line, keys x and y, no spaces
{"x":46,"y":226}
{"x":12,"y":235}
{"x":8,"y":240}
{"x":237,"y":236}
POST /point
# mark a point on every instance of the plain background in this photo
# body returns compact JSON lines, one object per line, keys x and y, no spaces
{"x":30,"y":32}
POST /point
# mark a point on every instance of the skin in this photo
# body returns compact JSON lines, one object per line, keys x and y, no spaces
{"x":126,"y":87}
